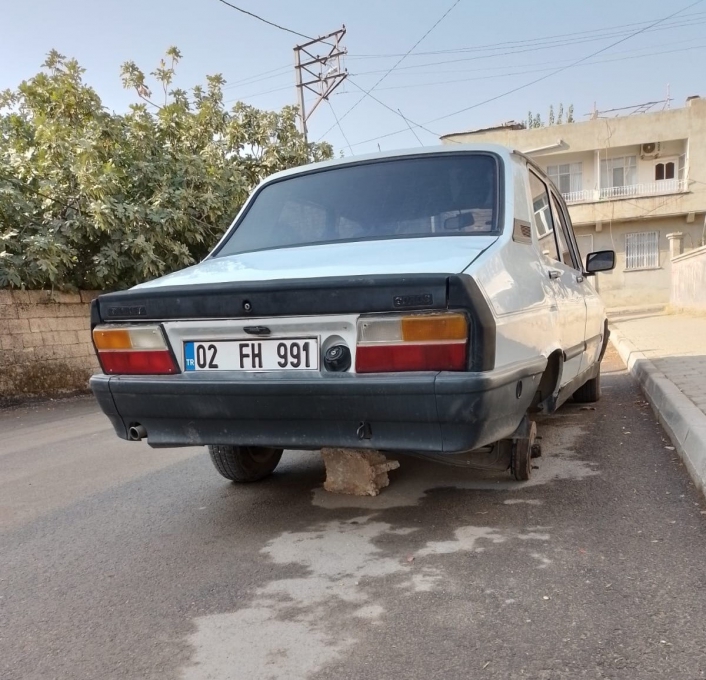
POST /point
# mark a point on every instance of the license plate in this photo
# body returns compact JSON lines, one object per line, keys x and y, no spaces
{"x":298,"y":354}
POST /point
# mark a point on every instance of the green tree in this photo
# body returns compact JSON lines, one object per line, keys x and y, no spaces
{"x":536,"y":121}
{"x":93,"y":199}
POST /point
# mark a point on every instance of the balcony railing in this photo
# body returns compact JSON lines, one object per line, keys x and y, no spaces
{"x":580,"y":196}
{"x":665,"y":186}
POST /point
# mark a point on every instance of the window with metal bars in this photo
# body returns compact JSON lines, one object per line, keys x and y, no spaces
{"x":642,"y":250}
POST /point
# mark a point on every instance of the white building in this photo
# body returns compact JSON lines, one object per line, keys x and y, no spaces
{"x":634,"y":184}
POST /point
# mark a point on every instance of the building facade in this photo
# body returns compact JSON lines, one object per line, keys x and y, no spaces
{"x":634,"y":184}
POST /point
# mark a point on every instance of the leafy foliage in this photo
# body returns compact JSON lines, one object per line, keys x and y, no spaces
{"x":94,"y":199}
{"x":536,"y":121}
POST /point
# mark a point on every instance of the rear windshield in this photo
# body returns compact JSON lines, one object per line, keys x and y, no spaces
{"x":435,"y":196}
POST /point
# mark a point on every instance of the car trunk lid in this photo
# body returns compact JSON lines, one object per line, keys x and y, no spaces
{"x":274,"y":298}
{"x":428,"y":255}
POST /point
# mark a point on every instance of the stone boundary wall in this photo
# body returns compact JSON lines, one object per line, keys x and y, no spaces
{"x":689,"y":281}
{"x":45,"y":343}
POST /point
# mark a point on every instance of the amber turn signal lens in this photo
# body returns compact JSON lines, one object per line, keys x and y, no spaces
{"x":434,"y":328}
{"x":117,"y":338}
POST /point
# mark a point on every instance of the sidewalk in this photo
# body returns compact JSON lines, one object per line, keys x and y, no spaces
{"x":666,"y":353}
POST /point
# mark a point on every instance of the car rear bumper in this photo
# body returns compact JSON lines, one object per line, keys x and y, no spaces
{"x":430,"y":412}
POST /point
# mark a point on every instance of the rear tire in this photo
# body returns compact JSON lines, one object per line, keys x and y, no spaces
{"x":590,"y":391}
{"x":521,"y":456}
{"x":243,"y":464}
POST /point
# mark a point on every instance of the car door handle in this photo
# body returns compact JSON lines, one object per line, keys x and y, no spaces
{"x":554,"y":273}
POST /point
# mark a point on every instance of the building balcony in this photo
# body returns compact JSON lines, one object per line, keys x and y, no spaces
{"x":661,"y":187}
{"x":585,"y":196}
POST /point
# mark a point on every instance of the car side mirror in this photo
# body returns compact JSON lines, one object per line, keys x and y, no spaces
{"x":600,"y":261}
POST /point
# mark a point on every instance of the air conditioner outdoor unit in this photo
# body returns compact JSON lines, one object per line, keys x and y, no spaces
{"x":650,"y":150}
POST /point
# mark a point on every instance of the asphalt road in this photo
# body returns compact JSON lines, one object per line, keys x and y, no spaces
{"x":119,"y":561}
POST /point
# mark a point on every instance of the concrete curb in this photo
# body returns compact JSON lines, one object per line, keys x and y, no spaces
{"x":684,"y":422}
{"x":619,"y":312}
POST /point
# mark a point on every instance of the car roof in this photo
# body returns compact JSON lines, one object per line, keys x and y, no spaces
{"x":502,"y":151}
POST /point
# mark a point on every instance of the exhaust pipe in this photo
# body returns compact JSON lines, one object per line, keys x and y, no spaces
{"x":136,"y":433}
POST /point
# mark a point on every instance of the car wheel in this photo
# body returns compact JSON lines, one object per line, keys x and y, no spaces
{"x":244,"y":463}
{"x":590,"y":391}
{"x":523,"y":450}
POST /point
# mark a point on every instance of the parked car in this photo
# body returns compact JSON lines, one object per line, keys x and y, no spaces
{"x":426,"y":301}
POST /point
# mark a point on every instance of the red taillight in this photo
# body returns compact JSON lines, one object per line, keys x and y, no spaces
{"x":133,"y":350}
{"x":426,"y":357}
{"x":427,"y":341}
{"x":149,"y":362}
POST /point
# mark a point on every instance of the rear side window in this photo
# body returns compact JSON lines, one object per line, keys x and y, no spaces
{"x":563,"y":237}
{"x":434,"y":196}
{"x":543,"y":221}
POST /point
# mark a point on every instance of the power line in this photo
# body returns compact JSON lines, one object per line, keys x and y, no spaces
{"x":255,"y":79}
{"x":411,"y":129}
{"x":395,"y":111}
{"x":517,"y":73}
{"x":533,"y":48}
{"x":265,"y":21}
{"x":257,"y":94}
{"x":568,"y":66}
{"x":365,"y":94}
{"x":544,"y":77}
{"x":475,"y":70}
{"x":463,"y":80}
{"x":540,"y":63}
{"x":338,"y":122}
{"x":258,"y":77}
{"x":611,"y":32}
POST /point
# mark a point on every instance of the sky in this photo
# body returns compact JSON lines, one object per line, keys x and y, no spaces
{"x":479,"y":51}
